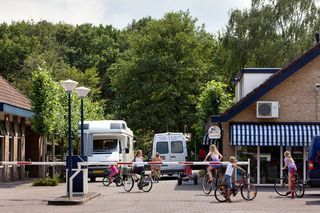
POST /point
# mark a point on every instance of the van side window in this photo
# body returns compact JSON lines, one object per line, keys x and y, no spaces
{"x":176,"y":147}
{"x":128,"y":142}
{"x":162,"y":147}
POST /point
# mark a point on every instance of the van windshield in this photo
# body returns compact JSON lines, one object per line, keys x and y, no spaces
{"x":106,"y":146}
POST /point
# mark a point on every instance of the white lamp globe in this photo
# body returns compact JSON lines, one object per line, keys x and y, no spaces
{"x":69,"y":85}
{"x":82,"y":91}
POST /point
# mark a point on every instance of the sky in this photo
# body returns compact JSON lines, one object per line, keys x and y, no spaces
{"x":118,"y":13}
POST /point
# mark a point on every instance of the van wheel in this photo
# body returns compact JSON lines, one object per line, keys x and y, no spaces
{"x":195,"y":179}
{"x":92,"y":179}
{"x":179,"y":181}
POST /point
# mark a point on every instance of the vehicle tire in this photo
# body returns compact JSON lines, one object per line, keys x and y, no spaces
{"x":220,"y":193}
{"x":128,"y":183}
{"x":179,"y":181}
{"x":299,"y":188}
{"x":118,"y":181}
{"x":195,"y":180}
{"x":106,"y":181}
{"x":92,"y":179}
{"x":281,"y":186}
{"x":248,"y":191}
{"x":147,"y":183}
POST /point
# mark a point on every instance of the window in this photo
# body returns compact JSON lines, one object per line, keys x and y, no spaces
{"x":106,"y":146}
{"x":128,"y":142}
{"x":117,"y":126}
{"x":162,"y":147}
{"x":1,"y":148}
{"x":176,"y":147}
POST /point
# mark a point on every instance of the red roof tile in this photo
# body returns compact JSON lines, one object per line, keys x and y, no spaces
{"x":10,"y":95}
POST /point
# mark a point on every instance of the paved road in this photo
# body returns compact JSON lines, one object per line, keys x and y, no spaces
{"x":166,"y":196}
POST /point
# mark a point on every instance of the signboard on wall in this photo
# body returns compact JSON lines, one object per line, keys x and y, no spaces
{"x":214,"y":132}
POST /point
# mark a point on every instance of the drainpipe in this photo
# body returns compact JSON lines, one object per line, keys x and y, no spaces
{"x":317,"y":102}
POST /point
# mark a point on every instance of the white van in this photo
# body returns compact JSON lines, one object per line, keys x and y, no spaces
{"x":107,"y":140}
{"x":172,"y":147}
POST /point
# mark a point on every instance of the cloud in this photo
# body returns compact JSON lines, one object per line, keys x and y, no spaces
{"x":119,"y":13}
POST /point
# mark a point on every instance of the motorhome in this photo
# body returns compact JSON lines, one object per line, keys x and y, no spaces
{"x":107,"y":140}
{"x":172,"y":147}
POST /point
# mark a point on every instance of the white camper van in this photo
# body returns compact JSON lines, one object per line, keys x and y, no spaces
{"x":106,"y":140}
{"x":172,"y":147}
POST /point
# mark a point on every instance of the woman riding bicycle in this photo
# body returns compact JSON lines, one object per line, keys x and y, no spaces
{"x":215,"y":156}
{"x":289,"y":163}
{"x":138,"y":168}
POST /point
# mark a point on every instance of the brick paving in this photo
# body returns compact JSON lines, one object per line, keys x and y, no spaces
{"x":165,"y":196}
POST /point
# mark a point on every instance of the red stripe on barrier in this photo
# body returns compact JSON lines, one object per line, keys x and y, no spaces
{"x":24,"y":163}
{"x":124,"y":163}
{"x":186,"y":163}
{"x":214,"y":163}
{"x":154,"y":162}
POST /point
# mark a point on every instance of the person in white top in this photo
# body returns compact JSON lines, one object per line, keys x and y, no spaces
{"x":214,"y":156}
{"x":228,"y":174}
{"x":138,"y":168}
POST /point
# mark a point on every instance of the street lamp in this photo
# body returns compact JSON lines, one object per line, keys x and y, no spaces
{"x":69,"y":86}
{"x":82,"y":92}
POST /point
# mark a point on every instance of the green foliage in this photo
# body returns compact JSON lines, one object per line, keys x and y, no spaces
{"x":157,"y":79}
{"x":46,"y":182}
{"x":213,"y":100}
{"x":269,"y":34}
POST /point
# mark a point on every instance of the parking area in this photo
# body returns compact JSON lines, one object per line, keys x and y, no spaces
{"x":165,"y":196}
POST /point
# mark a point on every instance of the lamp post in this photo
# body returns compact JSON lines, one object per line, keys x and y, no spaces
{"x":82,"y":93}
{"x":69,"y":86}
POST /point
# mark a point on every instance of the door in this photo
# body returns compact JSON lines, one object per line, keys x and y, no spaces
{"x":177,"y":153}
{"x":162,"y":147}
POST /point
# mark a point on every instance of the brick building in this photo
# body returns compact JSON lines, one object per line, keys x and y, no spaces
{"x":17,"y":141}
{"x":276,"y":110}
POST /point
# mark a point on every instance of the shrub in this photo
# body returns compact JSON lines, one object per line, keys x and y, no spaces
{"x":45,"y":182}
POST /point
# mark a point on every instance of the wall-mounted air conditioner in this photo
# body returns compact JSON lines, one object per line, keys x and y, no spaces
{"x":267,"y":109}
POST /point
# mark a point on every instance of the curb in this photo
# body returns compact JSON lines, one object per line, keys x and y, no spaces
{"x":77,"y":199}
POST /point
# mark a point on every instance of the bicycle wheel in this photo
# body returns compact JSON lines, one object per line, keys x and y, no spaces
{"x":299,"y":188}
{"x":118,"y":180}
{"x":128,"y":183}
{"x":281,"y":186}
{"x":248,"y":191}
{"x":106,"y":181}
{"x":220,"y":193}
{"x":147,"y":183}
{"x":206,"y":186}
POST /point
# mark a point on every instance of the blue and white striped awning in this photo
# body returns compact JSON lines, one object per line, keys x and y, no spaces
{"x":273,"y":134}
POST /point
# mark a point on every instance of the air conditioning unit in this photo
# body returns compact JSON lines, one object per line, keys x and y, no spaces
{"x":267,"y":109}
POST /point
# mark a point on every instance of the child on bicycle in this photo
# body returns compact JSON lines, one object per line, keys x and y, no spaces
{"x":215,"y":156}
{"x":289,"y":163}
{"x":228,"y":174}
{"x":138,"y":168}
{"x":155,"y":169}
{"x":114,"y":170}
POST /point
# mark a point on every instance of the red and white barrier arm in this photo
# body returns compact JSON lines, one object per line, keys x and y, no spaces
{"x":190,"y":163}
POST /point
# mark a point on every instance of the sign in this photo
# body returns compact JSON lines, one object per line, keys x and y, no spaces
{"x":187,"y":136}
{"x":214,"y":132}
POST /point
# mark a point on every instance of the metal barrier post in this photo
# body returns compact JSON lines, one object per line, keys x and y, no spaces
{"x":248,"y":169}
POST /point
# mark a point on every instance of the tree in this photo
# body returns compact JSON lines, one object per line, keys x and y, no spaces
{"x":213,"y":100}
{"x":157,"y":80}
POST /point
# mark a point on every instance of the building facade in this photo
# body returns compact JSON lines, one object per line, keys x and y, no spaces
{"x":15,"y":114}
{"x":251,"y":130}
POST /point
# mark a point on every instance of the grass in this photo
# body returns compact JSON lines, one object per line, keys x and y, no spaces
{"x":48,"y":181}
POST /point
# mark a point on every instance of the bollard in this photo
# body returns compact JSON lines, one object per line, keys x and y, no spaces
{"x":292,"y":183}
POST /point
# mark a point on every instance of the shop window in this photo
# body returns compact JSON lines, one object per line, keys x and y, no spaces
{"x":269,"y":164}
{"x":11,"y":149}
{"x":297,"y":155}
{"x":2,"y":128}
{"x":243,"y":154}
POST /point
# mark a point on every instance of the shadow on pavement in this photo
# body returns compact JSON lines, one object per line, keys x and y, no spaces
{"x":14,"y":184}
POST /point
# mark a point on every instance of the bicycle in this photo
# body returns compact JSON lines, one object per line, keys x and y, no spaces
{"x":117,"y":179}
{"x":248,"y":190}
{"x":145,"y":182}
{"x":281,"y":185}
{"x":207,"y":185}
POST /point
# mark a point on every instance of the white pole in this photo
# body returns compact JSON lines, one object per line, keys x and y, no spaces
{"x":248,"y":170}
